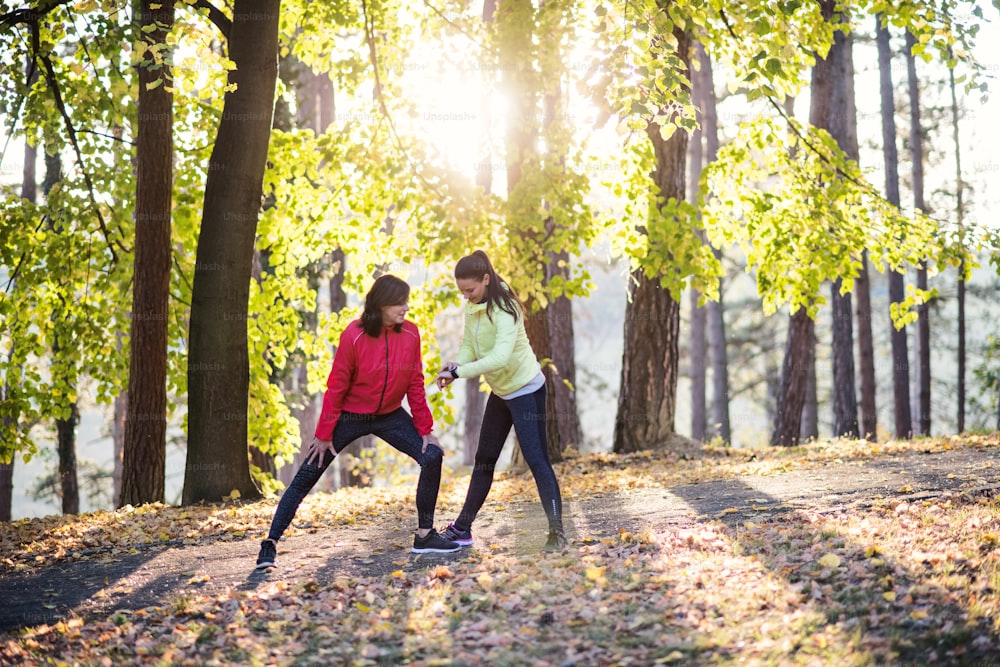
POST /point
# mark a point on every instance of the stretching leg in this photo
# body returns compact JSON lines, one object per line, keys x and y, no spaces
{"x":348,"y":429}
{"x":398,"y":430}
{"x":528,"y":413}
{"x":492,"y":435}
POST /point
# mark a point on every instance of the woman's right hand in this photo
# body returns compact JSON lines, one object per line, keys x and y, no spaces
{"x":318,"y":448}
{"x":444,"y":377}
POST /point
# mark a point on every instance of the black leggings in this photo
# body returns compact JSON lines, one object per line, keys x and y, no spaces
{"x":527,"y":415}
{"x":398,"y":430}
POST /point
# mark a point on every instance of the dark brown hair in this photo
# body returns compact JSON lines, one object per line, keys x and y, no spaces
{"x":498,"y":294}
{"x":386,"y":291}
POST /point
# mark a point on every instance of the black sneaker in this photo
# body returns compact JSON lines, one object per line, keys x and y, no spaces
{"x":433,"y":543}
{"x":268,"y":552}
{"x":462,"y":538}
{"x":556,"y":542}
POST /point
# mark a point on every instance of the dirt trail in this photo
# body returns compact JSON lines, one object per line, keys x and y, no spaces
{"x":162,"y":574}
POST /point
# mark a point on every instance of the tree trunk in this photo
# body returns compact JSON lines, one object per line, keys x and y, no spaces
{"x":63,"y":367}
{"x":145,"y":449}
{"x":522,"y":86}
{"x":866,"y":352}
{"x":794,"y":376}
{"x":648,"y":393}
{"x":923,"y":311}
{"x":29,"y":191}
{"x":562,"y":390}
{"x":866,"y":341}
{"x":314,"y":95}
{"x":832,"y":108}
{"x":810,"y":408}
{"x":119,"y":413}
{"x":960,"y":219}
{"x":218,"y":370}
{"x":903,"y":421}
{"x":697,"y":341}
{"x":475,"y":401}
{"x":473,"y":422}
{"x":716,"y":313}
{"x":69,"y":488}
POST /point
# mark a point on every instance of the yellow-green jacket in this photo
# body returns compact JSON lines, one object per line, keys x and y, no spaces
{"x":496,"y":346}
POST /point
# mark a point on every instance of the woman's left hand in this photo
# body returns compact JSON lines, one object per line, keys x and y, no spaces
{"x":430,"y":439}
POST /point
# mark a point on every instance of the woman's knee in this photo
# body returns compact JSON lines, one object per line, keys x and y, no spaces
{"x":431,"y":457}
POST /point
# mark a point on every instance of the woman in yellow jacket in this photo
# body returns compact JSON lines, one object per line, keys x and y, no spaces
{"x":496,"y":346}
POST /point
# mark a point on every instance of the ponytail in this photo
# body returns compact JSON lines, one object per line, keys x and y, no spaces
{"x":498,"y":293}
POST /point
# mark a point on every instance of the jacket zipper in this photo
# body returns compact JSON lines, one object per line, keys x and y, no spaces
{"x":386,"y":383}
{"x":479,"y":318}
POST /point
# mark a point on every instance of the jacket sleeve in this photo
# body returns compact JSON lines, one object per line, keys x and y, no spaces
{"x":416,"y":395}
{"x":337,"y":384}
{"x":503,"y":347}
{"x":467,"y":352}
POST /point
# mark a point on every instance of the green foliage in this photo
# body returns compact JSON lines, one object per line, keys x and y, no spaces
{"x":369,"y":186}
{"x":64,"y":294}
{"x":803,"y":214}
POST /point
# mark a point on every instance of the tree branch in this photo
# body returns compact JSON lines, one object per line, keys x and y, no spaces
{"x":29,"y":15}
{"x":215,"y":15}
{"x":50,"y":78}
{"x":373,"y":58}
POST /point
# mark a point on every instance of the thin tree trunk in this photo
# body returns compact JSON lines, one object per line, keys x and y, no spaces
{"x":29,"y":192}
{"x":648,"y":392}
{"x":810,"y":408}
{"x":474,"y":399}
{"x":833,"y":109}
{"x":560,"y":311}
{"x":897,"y":289}
{"x":69,"y":488}
{"x":697,"y":342}
{"x":794,"y":377}
{"x":119,"y":413}
{"x":315,"y":110}
{"x":63,"y":366}
{"x":960,"y":219}
{"x":923,"y":311}
{"x":144,"y":455}
{"x":716,"y":313}
{"x":218,"y":371}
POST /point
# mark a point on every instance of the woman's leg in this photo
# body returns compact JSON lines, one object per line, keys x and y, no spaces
{"x":492,"y":435}
{"x":528,"y":414}
{"x":398,"y":430}
{"x":349,"y":428}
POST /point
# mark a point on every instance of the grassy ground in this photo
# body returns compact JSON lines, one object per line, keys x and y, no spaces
{"x":896,"y":580}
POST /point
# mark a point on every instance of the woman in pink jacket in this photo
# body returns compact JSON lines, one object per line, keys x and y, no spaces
{"x":377,"y":363}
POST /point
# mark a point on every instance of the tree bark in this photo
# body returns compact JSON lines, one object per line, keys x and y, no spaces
{"x":832,"y":108}
{"x":648,"y":393}
{"x":923,"y":311}
{"x":960,"y":219}
{"x":522,"y":86}
{"x":903,"y":420}
{"x":145,"y":447}
{"x":810,"y":408}
{"x":218,"y":371}
{"x":697,"y":340}
{"x":29,"y":192}
{"x":119,"y":413}
{"x":718,"y":352}
{"x":794,"y":376}
{"x":69,"y":487}
{"x":562,"y":394}
{"x":475,"y":401}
